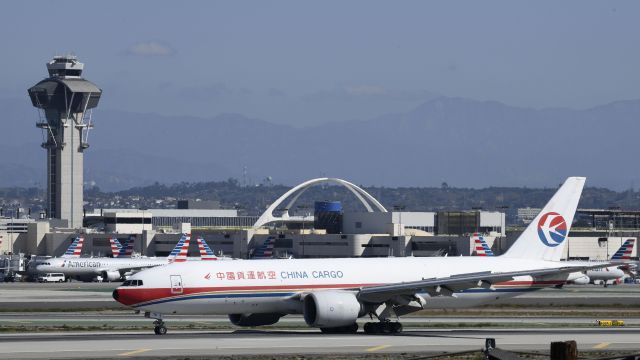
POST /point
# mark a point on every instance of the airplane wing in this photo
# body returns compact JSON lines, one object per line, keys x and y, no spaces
{"x":447,"y":286}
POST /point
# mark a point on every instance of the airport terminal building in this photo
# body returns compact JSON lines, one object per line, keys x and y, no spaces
{"x":329,"y":232}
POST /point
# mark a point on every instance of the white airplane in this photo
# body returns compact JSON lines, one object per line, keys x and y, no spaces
{"x":110,"y":269}
{"x":333,"y":293}
{"x":605,"y":274}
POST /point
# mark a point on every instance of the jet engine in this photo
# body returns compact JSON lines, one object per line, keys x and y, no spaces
{"x":254,"y":319}
{"x":111,"y":276}
{"x":578,"y":278}
{"x":329,"y":309}
{"x":583,"y":280}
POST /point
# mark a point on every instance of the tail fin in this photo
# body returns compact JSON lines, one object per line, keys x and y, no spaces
{"x":544,"y":238}
{"x":127,"y":249}
{"x":624,"y":253}
{"x":265,"y":251}
{"x":481,"y":246}
{"x":205,"y":251}
{"x":75,"y":249}
{"x":179,"y":253}
{"x":116,"y":247}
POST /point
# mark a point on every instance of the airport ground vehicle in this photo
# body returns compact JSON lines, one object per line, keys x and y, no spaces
{"x":52,"y":277}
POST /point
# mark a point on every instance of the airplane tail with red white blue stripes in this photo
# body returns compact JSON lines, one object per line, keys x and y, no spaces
{"x":265,"y":251}
{"x":481,"y":246}
{"x":205,"y":251}
{"x":624,"y":253}
{"x":120,"y":251}
{"x":75,"y":249}
{"x":179,"y":252}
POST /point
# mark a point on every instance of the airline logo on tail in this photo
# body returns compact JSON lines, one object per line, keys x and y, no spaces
{"x":552,"y":229}
{"x":179,"y":253}
{"x":75,"y":249}
{"x":205,"y":251}
{"x":624,"y":253}
{"x":481,"y":246}
{"x":120,"y":251}
{"x":265,"y":251}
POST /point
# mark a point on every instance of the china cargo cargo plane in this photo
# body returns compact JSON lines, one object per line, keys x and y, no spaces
{"x":332,"y":294}
{"x":110,"y":269}
{"x":605,"y":274}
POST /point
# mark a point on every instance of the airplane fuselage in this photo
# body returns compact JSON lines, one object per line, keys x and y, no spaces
{"x":276,"y":286}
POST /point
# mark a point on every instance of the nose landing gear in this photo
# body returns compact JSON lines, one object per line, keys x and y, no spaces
{"x":159,"y":327}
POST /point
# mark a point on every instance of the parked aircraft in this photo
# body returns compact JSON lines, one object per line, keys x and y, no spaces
{"x":605,"y":274}
{"x":110,"y":269}
{"x":333,"y":293}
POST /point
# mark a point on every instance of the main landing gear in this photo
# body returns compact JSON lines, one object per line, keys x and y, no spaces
{"x":159,"y":328}
{"x":383,"y":327}
{"x":384,"y":324}
{"x":348,"y":329}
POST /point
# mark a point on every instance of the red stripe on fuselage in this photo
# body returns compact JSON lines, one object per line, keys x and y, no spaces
{"x":132,"y":296}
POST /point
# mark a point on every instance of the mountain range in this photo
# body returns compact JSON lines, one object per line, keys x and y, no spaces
{"x":462,"y":142}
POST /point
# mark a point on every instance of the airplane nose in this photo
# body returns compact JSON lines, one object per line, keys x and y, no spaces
{"x":115,"y":294}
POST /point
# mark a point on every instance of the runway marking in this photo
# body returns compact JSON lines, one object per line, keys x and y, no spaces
{"x":376,"y":348}
{"x":603,"y":345}
{"x":134,"y":352}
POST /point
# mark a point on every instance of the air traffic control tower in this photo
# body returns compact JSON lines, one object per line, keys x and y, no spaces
{"x":64,"y":101}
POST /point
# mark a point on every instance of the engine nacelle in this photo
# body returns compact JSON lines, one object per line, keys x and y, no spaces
{"x":111,"y":275}
{"x":578,"y":278}
{"x":254,"y":319}
{"x":326,"y":309}
{"x":583,"y":280}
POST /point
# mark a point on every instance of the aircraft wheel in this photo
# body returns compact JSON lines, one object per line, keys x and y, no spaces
{"x":371,"y":328}
{"x":160,"y":330}
{"x":397,"y":327}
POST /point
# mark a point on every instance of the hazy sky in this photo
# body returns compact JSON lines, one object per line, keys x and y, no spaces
{"x":301,"y":62}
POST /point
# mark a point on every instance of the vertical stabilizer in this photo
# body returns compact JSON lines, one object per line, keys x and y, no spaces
{"x":116,"y":247}
{"x":75,"y":249}
{"x":265,"y":251}
{"x":481,"y":246}
{"x":544,"y":238}
{"x":624,"y":253}
{"x":205,"y":251}
{"x":179,"y":252}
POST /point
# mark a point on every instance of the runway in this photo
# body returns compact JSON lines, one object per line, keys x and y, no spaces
{"x":528,"y":323}
{"x":120,"y":345}
{"x":78,"y":295}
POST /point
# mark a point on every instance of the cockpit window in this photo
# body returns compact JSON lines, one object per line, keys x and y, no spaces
{"x":132,"y":283}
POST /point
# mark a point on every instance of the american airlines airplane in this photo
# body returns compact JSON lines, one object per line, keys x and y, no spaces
{"x":605,"y":274}
{"x":332,"y":294}
{"x":110,"y":269}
